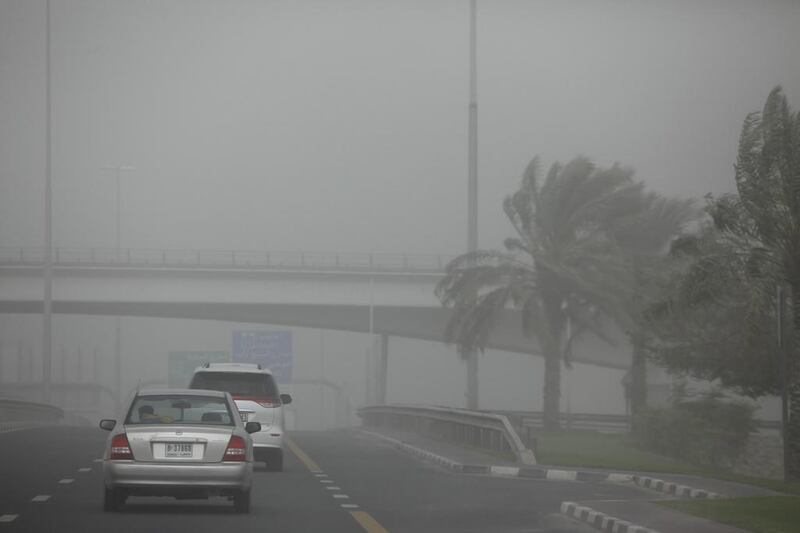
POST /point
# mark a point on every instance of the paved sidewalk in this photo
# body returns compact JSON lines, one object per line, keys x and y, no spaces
{"x":454,"y":452}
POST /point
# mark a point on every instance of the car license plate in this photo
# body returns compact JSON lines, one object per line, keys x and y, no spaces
{"x":244,"y":417}
{"x":178,"y":450}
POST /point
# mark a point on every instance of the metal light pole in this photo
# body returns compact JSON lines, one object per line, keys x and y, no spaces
{"x":371,"y":373}
{"x":118,"y":170}
{"x":472,"y":195}
{"x":47,"y":308}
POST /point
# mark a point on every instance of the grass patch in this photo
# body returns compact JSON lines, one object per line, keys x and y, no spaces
{"x":773,"y":514}
{"x":603,"y":450}
{"x":616,"y":451}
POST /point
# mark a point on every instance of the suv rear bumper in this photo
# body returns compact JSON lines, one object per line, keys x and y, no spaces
{"x":267,"y":438}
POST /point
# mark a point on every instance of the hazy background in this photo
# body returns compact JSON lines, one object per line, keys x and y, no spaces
{"x":342,"y":126}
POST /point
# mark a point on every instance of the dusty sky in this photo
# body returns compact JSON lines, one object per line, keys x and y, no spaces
{"x":341,"y":125}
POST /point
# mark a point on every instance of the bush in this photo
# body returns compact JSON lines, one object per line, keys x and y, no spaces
{"x":708,"y":430}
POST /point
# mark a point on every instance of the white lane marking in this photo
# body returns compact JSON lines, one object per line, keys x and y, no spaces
{"x":66,"y":480}
{"x":333,"y":488}
{"x":326,"y":481}
{"x":341,"y":496}
{"x":98,"y":460}
{"x":84,"y":470}
{"x":8,"y":517}
{"x":321,"y":475}
{"x":41,"y":498}
{"x":349,"y":506}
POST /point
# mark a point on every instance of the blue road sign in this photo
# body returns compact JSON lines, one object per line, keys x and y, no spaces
{"x":270,"y":349}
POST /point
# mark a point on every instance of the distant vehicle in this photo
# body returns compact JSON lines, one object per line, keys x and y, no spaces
{"x":256,"y":395}
{"x":180,"y":443}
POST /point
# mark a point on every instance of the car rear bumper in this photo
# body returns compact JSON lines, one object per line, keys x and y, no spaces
{"x":220,"y":476}
{"x":268,"y":438}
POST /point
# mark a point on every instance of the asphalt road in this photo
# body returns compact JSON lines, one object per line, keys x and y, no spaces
{"x":335,"y":481}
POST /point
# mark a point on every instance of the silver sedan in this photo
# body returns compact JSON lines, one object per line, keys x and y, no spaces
{"x":179,"y":443}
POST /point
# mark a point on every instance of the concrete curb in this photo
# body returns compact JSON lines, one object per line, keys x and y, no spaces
{"x":601,"y":521}
{"x":674,"y":489}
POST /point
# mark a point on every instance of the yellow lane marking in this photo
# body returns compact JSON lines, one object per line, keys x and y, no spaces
{"x":305,"y":459}
{"x":364,"y":519}
{"x":367,"y":522}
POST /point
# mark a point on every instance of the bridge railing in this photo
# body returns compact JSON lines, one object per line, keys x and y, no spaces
{"x":242,"y":259}
{"x":528,"y":423}
{"x":472,"y":428}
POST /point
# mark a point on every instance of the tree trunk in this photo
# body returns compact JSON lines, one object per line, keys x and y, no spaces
{"x":551,"y":349}
{"x":792,"y":370}
{"x":793,"y":429}
{"x":638,"y":386}
{"x":472,"y":380}
{"x":552,"y":389}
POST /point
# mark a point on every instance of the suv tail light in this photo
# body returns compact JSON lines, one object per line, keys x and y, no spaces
{"x":263,"y":401}
{"x":120,"y":448}
{"x":236,"y":450}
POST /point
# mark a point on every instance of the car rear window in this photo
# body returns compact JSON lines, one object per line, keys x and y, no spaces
{"x":238,"y":384}
{"x":180,"y":409}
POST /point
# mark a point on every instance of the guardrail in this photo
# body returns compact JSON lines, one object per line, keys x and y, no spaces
{"x":12,"y":410}
{"x":473,"y":428}
{"x":236,"y":259}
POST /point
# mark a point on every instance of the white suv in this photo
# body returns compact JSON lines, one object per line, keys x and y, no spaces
{"x":258,"y":400}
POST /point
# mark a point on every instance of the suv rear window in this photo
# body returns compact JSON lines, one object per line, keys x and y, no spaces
{"x":238,"y":384}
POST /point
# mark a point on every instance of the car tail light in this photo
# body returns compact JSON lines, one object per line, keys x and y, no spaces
{"x":237,"y":449}
{"x":263,"y":401}
{"x":120,"y":448}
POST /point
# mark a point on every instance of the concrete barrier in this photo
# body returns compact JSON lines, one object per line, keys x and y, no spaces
{"x":12,"y":410}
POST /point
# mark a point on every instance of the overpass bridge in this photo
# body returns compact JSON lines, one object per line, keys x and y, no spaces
{"x":387,"y":294}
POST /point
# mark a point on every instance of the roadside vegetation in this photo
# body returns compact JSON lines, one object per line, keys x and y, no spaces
{"x":775,"y":514}
{"x":701,"y":292}
{"x":619,"y":451}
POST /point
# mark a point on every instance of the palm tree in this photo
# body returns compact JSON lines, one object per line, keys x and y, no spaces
{"x":569,"y":263}
{"x":751,"y":248}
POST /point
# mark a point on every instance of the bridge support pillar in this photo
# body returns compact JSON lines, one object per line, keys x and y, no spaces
{"x":383,"y":369}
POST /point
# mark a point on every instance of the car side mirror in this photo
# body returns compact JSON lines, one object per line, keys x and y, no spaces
{"x":107,"y":424}
{"x":286,"y":399}
{"x":252,"y":427}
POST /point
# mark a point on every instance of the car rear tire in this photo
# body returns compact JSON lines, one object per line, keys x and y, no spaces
{"x":114,"y":500}
{"x":275,"y":461}
{"x":241,"y":502}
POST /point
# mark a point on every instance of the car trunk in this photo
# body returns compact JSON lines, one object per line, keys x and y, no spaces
{"x":204,"y":444}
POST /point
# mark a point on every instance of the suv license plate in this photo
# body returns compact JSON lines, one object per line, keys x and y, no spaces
{"x":178,"y":450}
